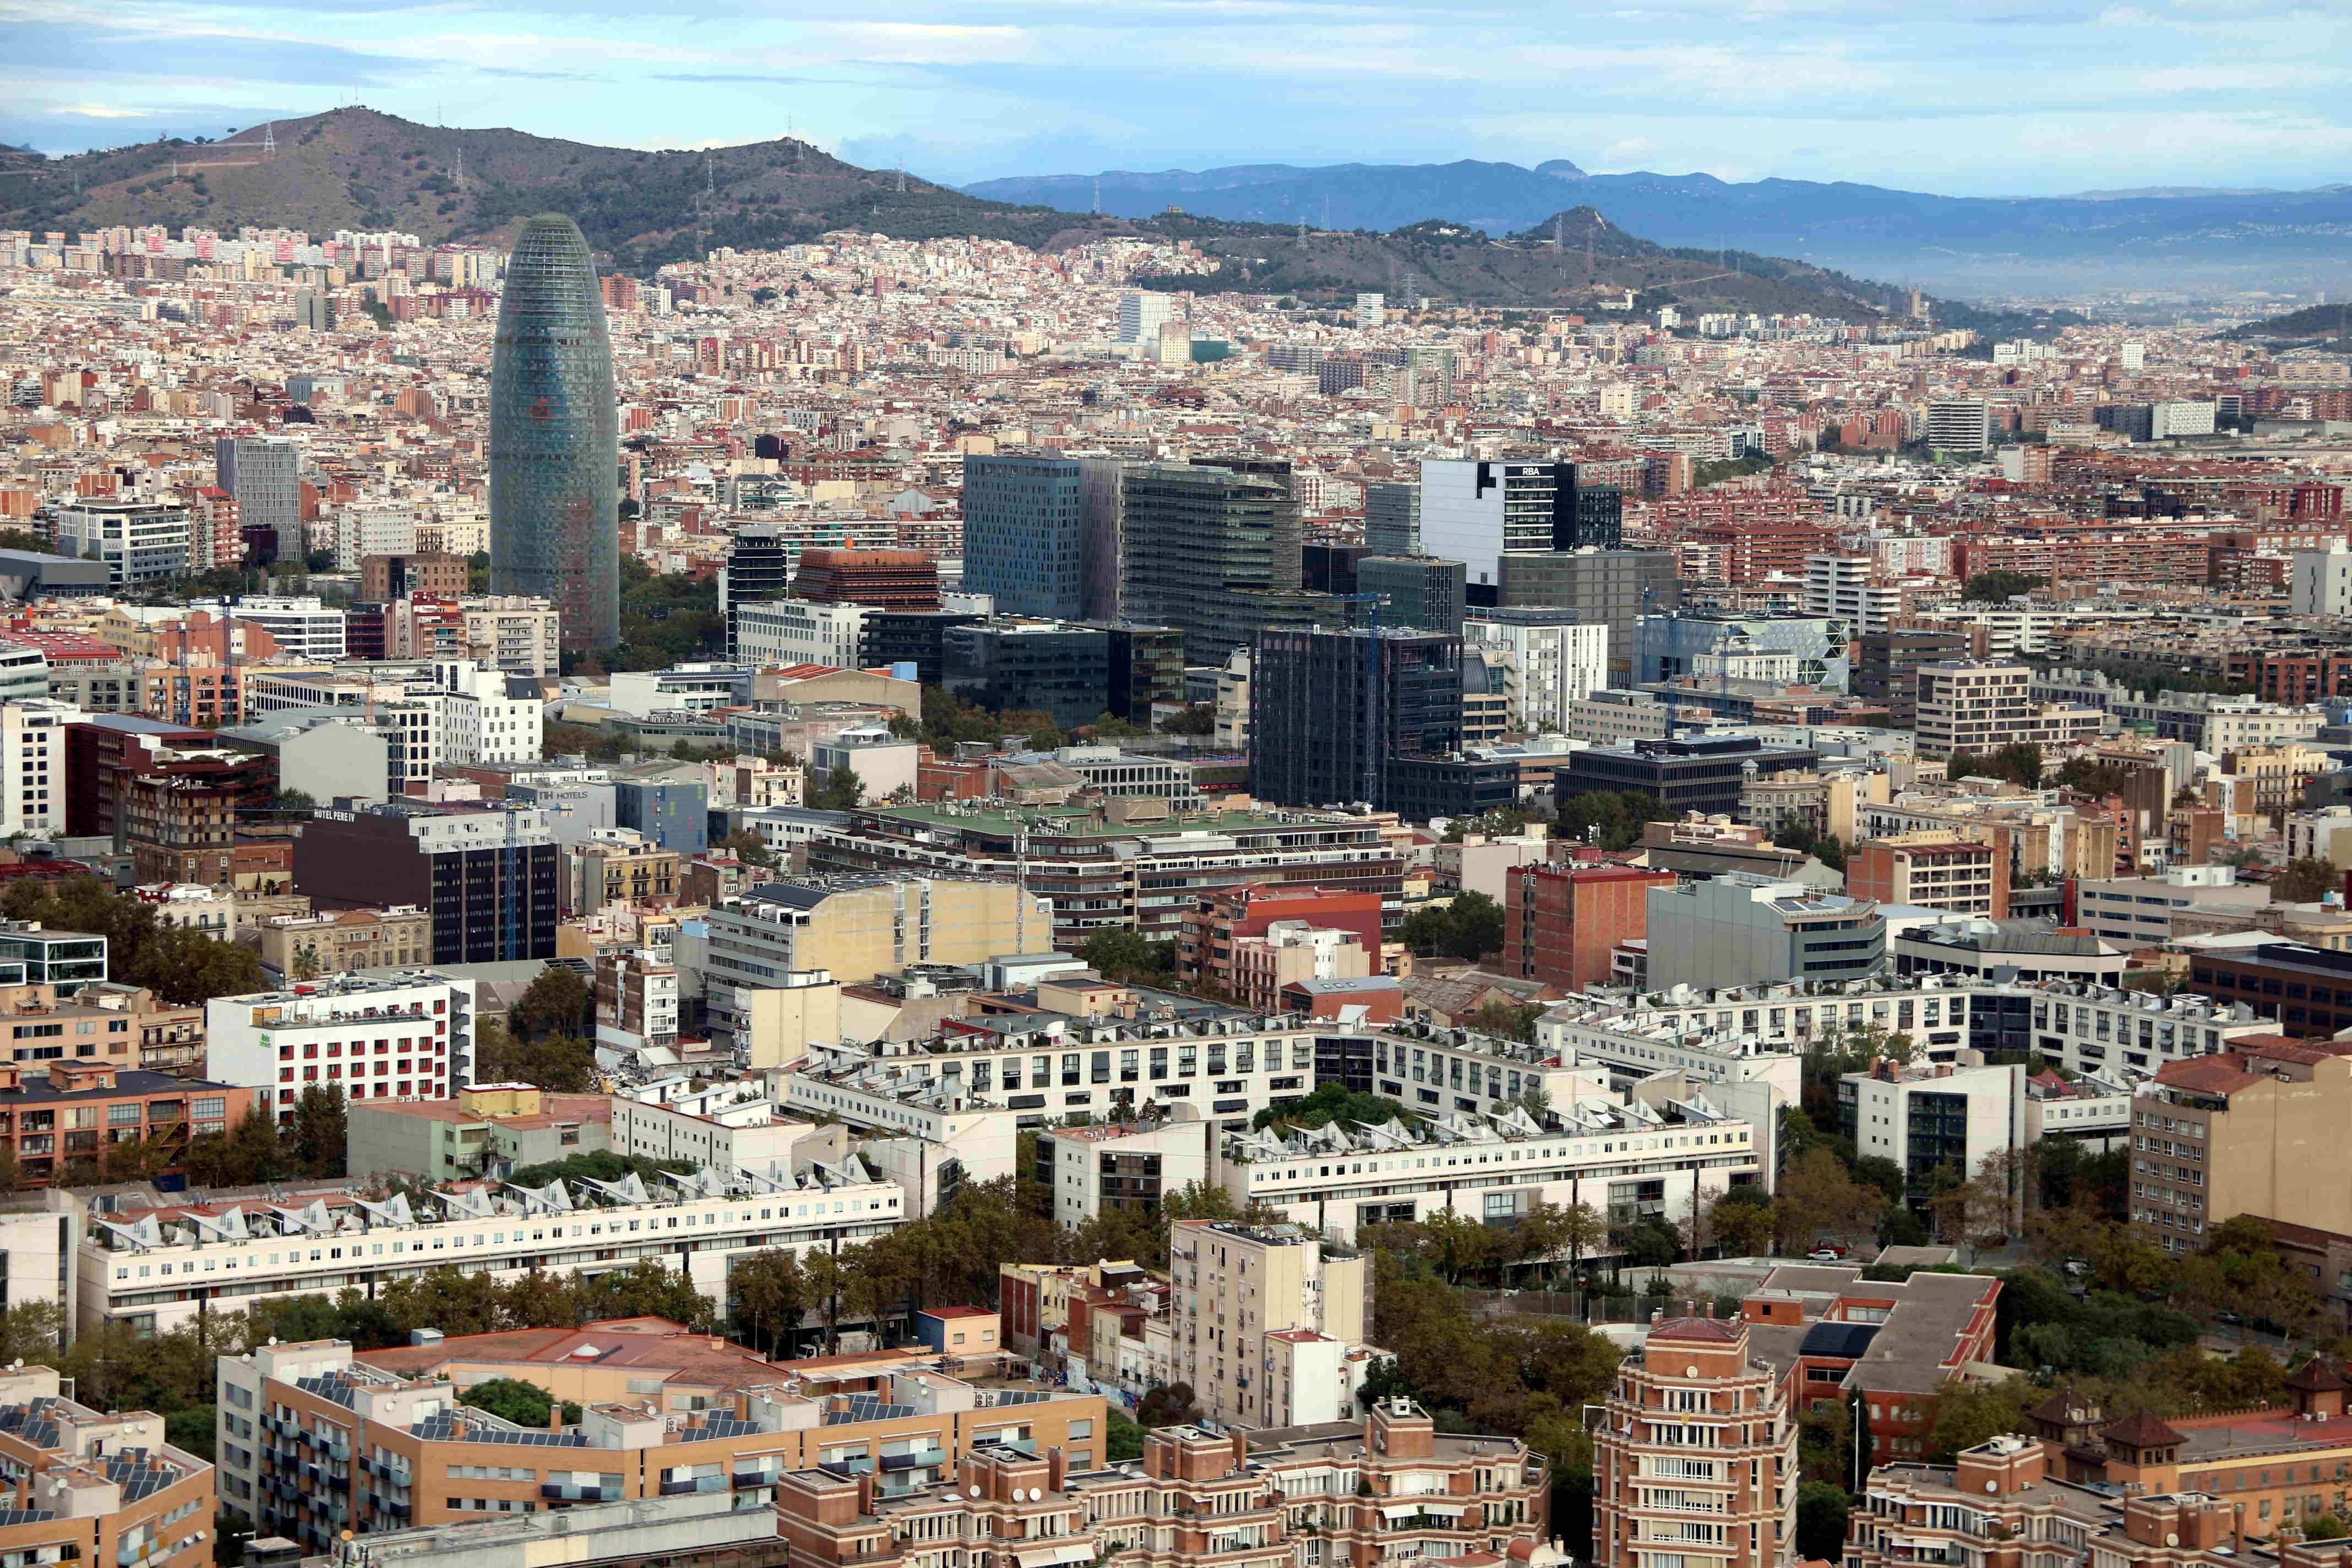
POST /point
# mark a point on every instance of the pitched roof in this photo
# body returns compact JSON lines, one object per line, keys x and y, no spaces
{"x":2142,"y":1431}
{"x":1704,"y":1331}
{"x":2314,"y":1377}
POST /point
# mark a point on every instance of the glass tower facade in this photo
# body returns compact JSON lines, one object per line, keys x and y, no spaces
{"x":554,"y":466}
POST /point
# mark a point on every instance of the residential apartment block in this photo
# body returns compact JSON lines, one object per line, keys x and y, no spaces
{"x":1270,"y":1322}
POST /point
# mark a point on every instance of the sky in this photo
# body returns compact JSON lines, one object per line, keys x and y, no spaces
{"x":2003,"y":98}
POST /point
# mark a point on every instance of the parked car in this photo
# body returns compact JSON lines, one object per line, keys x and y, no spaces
{"x":1826,"y":1255}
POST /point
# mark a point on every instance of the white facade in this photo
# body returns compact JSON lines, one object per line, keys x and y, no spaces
{"x":1841,"y":585}
{"x":1084,"y":1158}
{"x":156,"y":1287}
{"x":798,"y":631}
{"x":303,"y":626}
{"x":1960,"y":424}
{"x":2166,"y":420}
{"x":476,"y":721}
{"x":140,"y":541}
{"x":2321,"y":584}
{"x":23,"y":674}
{"x":1881,"y":1111}
{"x":1555,"y":668}
{"x":1141,"y":315}
{"x":1474,"y":511}
{"x":410,"y":1038}
{"x":361,"y":530}
{"x":32,"y":765}
{"x":1371,"y":311}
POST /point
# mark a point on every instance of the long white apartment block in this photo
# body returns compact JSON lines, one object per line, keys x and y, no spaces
{"x":1620,"y":1155}
{"x":158,"y":1269}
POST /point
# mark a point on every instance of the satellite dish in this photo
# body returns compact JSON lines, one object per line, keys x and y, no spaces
{"x":972,"y":1491}
{"x":1037,"y":1494}
{"x":1992,"y":1486}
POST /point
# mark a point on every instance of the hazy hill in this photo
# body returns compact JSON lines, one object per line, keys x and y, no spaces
{"x":356,"y":168}
{"x":2313,"y":322}
{"x":2171,"y":234}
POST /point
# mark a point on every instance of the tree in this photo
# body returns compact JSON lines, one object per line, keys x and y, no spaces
{"x":565,"y":1064}
{"x":556,"y":1002}
{"x":1822,"y":1510}
{"x":1116,"y":953}
{"x":1611,"y":819}
{"x":771,"y":1297}
{"x":1818,"y":1194}
{"x":1830,"y":850}
{"x":1124,"y":1436}
{"x":1469,"y":928}
{"x":1169,"y":1405}
{"x":1511,"y":1021}
{"x":1742,"y":1224}
{"x":306,"y":962}
{"x":524,"y":1404}
{"x":645,"y":1289}
{"x":2305,"y":881}
{"x":1997,"y":587}
{"x":747,"y":846}
{"x":1199,"y":719}
{"x":840,"y":789}
{"x":320,"y":1130}
{"x":32,"y":1333}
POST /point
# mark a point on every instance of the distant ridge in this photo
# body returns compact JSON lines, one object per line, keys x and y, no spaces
{"x":2173,"y":233}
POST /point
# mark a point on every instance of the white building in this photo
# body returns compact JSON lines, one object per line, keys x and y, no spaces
{"x":2168,"y":420}
{"x":32,"y":765}
{"x":407,"y":1037}
{"x":303,"y":626}
{"x":1936,"y":1117}
{"x":1622,"y":1157}
{"x":1094,"y":1169}
{"x":484,"y":715}
{"x":1557,"y":661}
{"x":1841,"y":585}
{"x":1967,"y":706}
{"x":1141,"y":315}
{"x":140,"y":541}
{"x":1473,"y":512}
{"x":1958,"y":425}
{"x":2321,"y":584}
{"x":1281,"y":1313}
{"x":363,"y":530}
{"x":145,"y":1271}
{"x":770,"y":632}
{"x":1371,"y":311}
{"x":2136,"y":911}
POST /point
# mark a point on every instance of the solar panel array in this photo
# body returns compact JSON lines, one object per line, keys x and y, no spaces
{"x":727,"y":1427}
{"x":446,"y":1428}
{"x":329,"y":1387}
{"x":32,"y":1422}
{"x":9,"y":1516}
{"x":137,"y":1478}
{"x":1020,"y":1395}
{"x":867,"y":1407}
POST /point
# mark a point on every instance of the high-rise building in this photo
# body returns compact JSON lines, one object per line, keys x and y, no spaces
{"x":1612,"y":587}
{"x":489,"y":876}
{"x":1562,"y":924}
{"x":1392,"y":519}
{"x":1141,"y":315}
{"x":759,"y":566}
{"x":1474,"y":511}
{"x":1728,"y":1494}
{"x":1333,"y":713}
{"x":1371,"y":311}
{"x":1193,"y":534}
{"x":263,"y":477}
{"x":554,"y":464}
{"x":1273,"y":1286}
{"x":1418,"y":591}
{"x":1558,"y":657}
{"x":1958,"y":425}
{"x":880,"y":579}
{"x":1025,"y":534}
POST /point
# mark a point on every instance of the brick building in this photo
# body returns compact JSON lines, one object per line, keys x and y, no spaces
{"x":1562,"y":924}
{"x":886,"y":579}
{"x":56,"y":1114}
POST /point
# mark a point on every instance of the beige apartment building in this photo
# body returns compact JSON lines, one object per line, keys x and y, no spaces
{"x":1694,"y":1460}
{"x":1967,"y":706}
{"x":857,"y":926}
{"x":617,"y":866}
{"x":1935,"y":870}
{"x":2257,"y":1129}
{"x":1269,"y":1326}
{"x":347,"y":940}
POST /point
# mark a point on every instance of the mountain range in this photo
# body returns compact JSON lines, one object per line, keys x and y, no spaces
{"x":359,"y":169}
{"x":2150,"y":236}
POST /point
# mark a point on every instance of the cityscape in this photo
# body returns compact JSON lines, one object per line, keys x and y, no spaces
{"x":993,"y":825}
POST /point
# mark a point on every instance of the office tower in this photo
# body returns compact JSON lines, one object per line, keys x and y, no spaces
{"x":759,"y":566}
{"x":1474,"y":513}
{"x":919,"y":637}
{"x":1102,"y":512}
{"x":1141,"y":315}
{"x":263,"y":477}
{"x":1025,"y":534}
{"x":1392,"y":519}
{"x":1371,"y":310}
{"x":138,"y":540}
{"x":1958,"y":425}
{"x":1418,"y":591}
{"x":1147,"y":666}
{"x":1012,"y":665}
{"x":1332,"y":713}
{"x":554,"y":468}
{"x":314,"y":309}
{"x":1329,"y":568}
{"x":488,"y":875}
{"x":1613,"y":588}
{"x":1558,"y":660}
{"x":1195,"y":534}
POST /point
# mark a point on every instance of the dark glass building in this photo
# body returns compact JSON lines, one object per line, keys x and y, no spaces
{"x":554,"y":464}
{"x":1025,"y":535}
{"x":1334,"y":715}
{"x":759,"y":567}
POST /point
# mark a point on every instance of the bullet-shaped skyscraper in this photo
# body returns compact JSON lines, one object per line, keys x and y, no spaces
{"x":554,"y":468}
